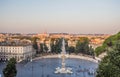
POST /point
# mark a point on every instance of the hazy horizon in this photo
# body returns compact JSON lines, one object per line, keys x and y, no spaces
{"x":60,"y":16}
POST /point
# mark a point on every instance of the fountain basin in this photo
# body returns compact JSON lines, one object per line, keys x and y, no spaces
{"x":63,"y":70}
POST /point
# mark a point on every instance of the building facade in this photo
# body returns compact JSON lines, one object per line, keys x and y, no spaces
{"x":19,"y":52}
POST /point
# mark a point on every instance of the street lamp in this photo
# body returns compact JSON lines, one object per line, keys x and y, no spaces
{"x":43,"y":64}
{"x":42,"y":71}
{"x":32,"y":64}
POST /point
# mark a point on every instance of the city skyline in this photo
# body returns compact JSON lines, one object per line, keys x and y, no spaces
{"x":60,"y":16}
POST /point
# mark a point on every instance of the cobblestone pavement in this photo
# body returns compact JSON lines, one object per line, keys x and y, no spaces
{"x":46,"y":68}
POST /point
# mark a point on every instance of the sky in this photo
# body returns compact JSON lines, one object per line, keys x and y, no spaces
{"x":60,"y":16}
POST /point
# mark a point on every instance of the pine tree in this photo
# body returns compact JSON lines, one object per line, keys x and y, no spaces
{"x":110,"y":65}
{"x":10,"y":70}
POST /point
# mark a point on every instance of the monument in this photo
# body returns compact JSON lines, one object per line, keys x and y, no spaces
{"x":63,"y":56}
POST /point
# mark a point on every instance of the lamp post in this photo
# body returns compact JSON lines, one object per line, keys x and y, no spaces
{"x":42,"y":70}
{"x":32,"y":64}
{"x":43,"y":64}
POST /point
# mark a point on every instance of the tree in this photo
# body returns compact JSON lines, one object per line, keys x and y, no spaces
{"x":91,"y":51}
{"x":109,"y":66}
{"x":79,"y":47}
{"x":82,"y":46}
{"x":59,"y":45}
{"x":52,"y":47}
{"x":41,"y":48}
{"x":10,"y":70}
{"x":71,"y":49}
{"x":99,"y":50}
{"x":56,"y":45}
{"x":109,"y":42}
{"x":66,"y":46}
{"x":35,"y":46}
{"x":45,"y":47}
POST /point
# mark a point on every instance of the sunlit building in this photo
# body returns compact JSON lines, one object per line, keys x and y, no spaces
{"x":18,"y":51}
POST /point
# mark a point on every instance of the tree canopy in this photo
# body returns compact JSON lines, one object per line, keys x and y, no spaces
{"x":10,"y":69}
{"x":56,"y":45}
{"x":109,"y":42}
{"x":82,"y":46}
{"x":109,"y":66}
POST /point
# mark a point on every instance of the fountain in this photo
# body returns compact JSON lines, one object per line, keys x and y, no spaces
{"x":63,"y":56}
